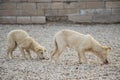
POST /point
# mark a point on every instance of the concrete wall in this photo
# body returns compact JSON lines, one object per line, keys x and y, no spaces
{"x":40,"y":11}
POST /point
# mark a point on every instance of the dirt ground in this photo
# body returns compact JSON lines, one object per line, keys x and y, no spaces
{"x":68,"y":69}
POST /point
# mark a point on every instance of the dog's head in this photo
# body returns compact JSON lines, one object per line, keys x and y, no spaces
{"x":104,"y":55}
{"x":40,"y":51}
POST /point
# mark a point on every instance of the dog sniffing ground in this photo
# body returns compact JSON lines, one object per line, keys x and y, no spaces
{"x":68,"y":69}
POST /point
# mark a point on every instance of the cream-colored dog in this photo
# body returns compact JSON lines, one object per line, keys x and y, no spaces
{"x":21,"y":39}
{"x":81,"y":43}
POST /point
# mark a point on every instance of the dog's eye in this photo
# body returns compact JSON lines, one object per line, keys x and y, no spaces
{"x":41,"y":52}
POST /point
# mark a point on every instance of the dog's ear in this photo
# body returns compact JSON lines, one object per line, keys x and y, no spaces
{"x":37,"y":49}
{"x":107,"y":48}
{"x":44,"y":50}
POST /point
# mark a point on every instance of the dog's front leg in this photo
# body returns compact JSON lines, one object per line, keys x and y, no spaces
{"x":23,"y":52}
{"x":29,"y":54}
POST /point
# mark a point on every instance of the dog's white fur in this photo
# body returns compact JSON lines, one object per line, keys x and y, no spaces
{"x":22,"y":40}
{"x":81,"y":43}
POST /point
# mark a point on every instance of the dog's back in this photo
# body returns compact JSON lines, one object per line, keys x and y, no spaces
{"x":17,"y":36}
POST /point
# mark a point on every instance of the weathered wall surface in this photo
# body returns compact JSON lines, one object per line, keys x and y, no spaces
{"x":40,"y":11}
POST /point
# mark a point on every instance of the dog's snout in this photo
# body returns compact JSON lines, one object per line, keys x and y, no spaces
{"x":106,"y":62}
{"x":43,"y":58}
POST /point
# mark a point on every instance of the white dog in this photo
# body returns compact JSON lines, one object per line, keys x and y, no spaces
{"x":81,"y":43}
{"x":21,"y":39}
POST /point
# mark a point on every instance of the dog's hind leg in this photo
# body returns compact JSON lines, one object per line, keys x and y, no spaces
{"x":11,"y":47}
{"x":52,"y":54}
{"x":58,"y":53}
{"x":9,"y":53}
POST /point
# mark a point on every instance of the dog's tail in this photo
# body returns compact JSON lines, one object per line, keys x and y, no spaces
{"x":55,"y":48}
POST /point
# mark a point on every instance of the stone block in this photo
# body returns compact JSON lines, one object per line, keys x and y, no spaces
{"x":57,"y":18}
{"x":26,"y":6}
{"x":38,"y":19}
{"x":103,"y":11}
{"x":116,"y":11}
{"x":10,"y":0}
{"x":23,"y":0}
{"x":87,"y":11}
{"x":15,"y":0}
{"x":97,"y":0}
{"x":55,"y":12}
{"x":79,"y":19}
{"x":8,"y":19}
{"x":61,"y":12}
{"x":71,"y":5}
{"x":34,"y":1}
{"x":8,"y":12}
{"x":113,"y":4}
{"x":95,"y":5}
{"x":27,"y":12}
{"x":57,"y":0}
{"x":113,"y":0}
{"x":43,"y":0}
{"x":7,"y":6}
{"x":100,"y":18}
{"x":71,"y":11}
{"x":51,"y":12}
{"x":106,"y":18}
{"x":44,"y":5}
{"x":68,"y":1}
{"x":56,"y":5}
{"x":23,"y":19}
{"x":82,"y":5}
{"x":40,"y":12}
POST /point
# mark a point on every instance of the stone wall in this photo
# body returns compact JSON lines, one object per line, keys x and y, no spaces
{"x":41,"y":11}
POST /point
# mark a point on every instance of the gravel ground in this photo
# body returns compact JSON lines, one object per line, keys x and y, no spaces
{"x":68,"y":69}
